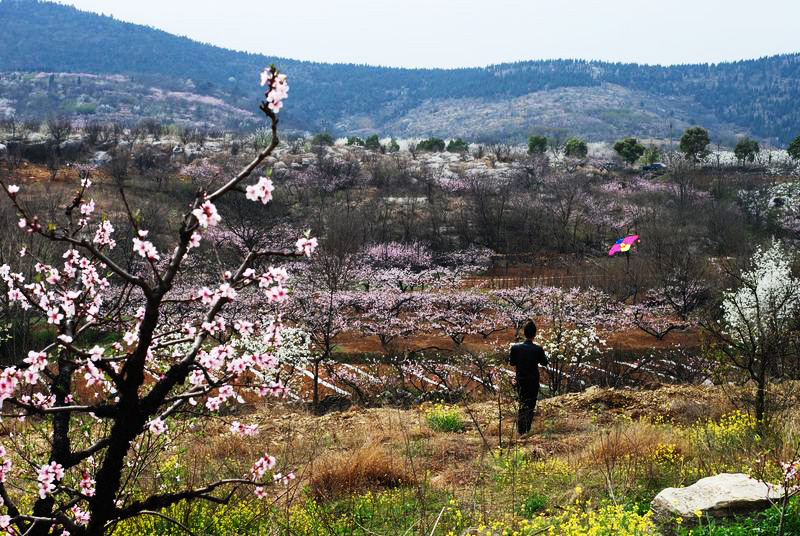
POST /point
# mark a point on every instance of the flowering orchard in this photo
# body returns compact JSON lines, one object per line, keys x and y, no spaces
{"x":100,"y":408}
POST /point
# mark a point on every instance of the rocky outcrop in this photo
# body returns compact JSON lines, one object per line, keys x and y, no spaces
{"x":723,"y":495}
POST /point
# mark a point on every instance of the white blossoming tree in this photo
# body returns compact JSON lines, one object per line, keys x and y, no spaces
{"x":760,"y":322}
{"x":98,"y":407}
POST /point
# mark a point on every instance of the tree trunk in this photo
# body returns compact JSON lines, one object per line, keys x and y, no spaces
{"x":316,"y":385}
{"x":761,"y":397}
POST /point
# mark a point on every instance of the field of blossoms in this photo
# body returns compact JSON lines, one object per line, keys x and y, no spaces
{"x":246,"y":335}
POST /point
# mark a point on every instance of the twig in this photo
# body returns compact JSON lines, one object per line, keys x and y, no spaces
{"x":433,"y":531}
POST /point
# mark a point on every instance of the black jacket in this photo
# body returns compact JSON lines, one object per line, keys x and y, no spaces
{"x":527,"y":357}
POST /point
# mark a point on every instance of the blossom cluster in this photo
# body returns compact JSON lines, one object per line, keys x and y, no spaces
{"x":261,"y":191}
{"x":47,"y":476}
{"x":277,"y":88}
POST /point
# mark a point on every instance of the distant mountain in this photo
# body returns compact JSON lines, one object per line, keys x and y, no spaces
{"x":159,"y":74}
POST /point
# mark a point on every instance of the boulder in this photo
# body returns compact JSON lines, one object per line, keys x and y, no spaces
{"x":723,"y":495}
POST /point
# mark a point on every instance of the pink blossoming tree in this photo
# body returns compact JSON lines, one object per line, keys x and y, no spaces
{"x":100,"y":405}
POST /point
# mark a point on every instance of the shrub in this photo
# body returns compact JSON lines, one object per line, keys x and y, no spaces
{"x":355,"y":140}
{"x":537,"y":144}
{"x":726,"y":445}
{"x":629,"y":149}
{"x":576,"y":148}
{"x":434,"y":145}
{"x":794,"y":148}
{"x":234,"y":519}
{"x":533,"y":504}
{"x":389,"y":512}
{"x":765,"y":523}
{"x":694,"y":142}
{"x":323,"y":138}
{"x":443,"y":418}
{"x":368,"y":468}
{"x":457,"y":146}
{"x":746,"y":150}
{"x":393,"y":146}
{"x":651,"y":155}
{"x":373,"y":143}
{"x":578,"y":519}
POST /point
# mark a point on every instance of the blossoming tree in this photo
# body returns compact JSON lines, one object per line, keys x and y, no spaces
{"x":98,"y":405}
{"x":759,"y":327}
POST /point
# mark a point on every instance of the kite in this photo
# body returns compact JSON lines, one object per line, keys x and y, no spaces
{"x":623,"y":245}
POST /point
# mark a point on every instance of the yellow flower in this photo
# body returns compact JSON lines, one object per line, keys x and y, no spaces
{"x":578,"y":490}
{"x":679,"y":520}
{"x":698,"y":513}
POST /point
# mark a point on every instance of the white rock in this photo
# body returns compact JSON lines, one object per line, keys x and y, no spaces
{"x":722,"y":495}
{"x":101,"y":158}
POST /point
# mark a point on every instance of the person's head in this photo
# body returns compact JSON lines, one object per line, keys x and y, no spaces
{"x":529,"y":330}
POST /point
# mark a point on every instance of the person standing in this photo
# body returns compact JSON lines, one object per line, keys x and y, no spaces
{"x":526,"y":358}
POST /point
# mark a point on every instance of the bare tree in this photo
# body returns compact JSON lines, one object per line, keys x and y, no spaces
{"x":10,"y":124}
{"x":95,"y":132}
{"x":59,"y":129}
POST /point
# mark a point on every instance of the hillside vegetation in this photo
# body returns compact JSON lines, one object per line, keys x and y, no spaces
{"x":757,"y":97}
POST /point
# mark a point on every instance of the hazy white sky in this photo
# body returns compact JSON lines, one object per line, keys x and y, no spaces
{"x":470,"y":33}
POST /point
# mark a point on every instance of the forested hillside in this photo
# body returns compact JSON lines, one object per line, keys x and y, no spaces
{"x":758,"y":97}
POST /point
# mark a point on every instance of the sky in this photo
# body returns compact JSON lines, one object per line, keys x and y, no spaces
{"x":475,"y":33}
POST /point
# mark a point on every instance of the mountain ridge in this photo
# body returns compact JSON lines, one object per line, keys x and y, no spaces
{"x":752,"y":97}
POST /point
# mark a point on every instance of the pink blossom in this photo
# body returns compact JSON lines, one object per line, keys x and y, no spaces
{"x":54,"y":316}
{"x":5,"y":467}
{"x":93,"y":374}
{"x":47,"y":475}
{"x":36,"y":360}
{"x":81,"y":517}
{"x":102,"y":236}
{"x":243,"y":327}
{"x":31,"y":376}
{"x":238,"y":428}
{"x":213,"y":403}
{"x":145,"y":249}
{"x":207,"y":215}
{"x":157,"y":426}
{"x":284,"y":479}
{"x":96,"y":353}
{"x":194,"y":241}
{"x":278,"y":88}
{"x":88,"y":207}
{"x":262,"y":465}
{"x":261,"y":191}
{"x":8,"y":383}
{"x":277,"y":294}
{"x":13,"y":188}
{"x":130,"y":338}
{"x":306,"y":246}
{"x":87,"y":485}
{"x":226,"y":291}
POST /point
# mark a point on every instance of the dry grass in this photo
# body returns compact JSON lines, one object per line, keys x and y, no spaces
{"x":367,"y":468}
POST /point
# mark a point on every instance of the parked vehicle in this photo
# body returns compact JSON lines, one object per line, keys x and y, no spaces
{"x":655,"y":166}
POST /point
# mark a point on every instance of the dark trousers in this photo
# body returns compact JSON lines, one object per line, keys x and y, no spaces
{"x":528,"y":392}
